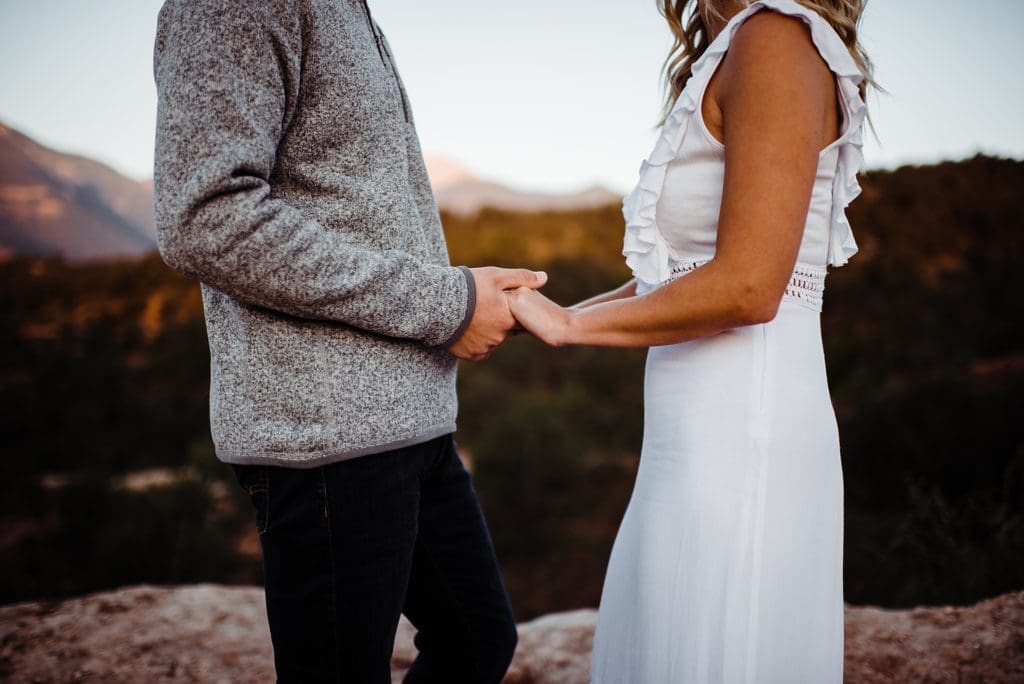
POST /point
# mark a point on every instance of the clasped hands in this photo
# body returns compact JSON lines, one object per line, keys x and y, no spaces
{"x":507,"y":301}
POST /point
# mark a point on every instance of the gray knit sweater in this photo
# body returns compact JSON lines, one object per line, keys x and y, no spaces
{"x":290,"y":182}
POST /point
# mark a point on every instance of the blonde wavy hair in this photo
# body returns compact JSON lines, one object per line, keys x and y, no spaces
{"x":691,"y":36}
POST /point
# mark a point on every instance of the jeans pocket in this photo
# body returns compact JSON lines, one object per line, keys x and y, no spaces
{"x":255,"y":480}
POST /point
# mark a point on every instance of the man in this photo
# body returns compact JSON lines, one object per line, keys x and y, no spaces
{"x":290,"y":182}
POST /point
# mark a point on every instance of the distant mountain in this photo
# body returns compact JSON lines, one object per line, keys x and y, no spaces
{"x":460,"y":192}
{"x":57,"y":203}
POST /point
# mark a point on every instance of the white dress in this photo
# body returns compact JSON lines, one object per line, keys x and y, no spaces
{"x":728,"y":563}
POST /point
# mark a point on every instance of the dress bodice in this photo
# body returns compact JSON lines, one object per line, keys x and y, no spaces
{"x":692,"y":194}
{"x":672,"y":214}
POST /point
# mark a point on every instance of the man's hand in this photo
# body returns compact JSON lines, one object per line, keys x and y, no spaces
{"x":492,"y":320}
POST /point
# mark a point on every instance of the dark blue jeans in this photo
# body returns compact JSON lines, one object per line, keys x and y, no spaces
{"x":349,"y":546}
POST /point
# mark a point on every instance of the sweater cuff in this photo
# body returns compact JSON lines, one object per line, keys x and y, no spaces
{"x":470,"y":308}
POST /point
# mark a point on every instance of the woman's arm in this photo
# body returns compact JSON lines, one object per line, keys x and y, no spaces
{"x":624,"y":291}
{"x":692,"y":306}
{"x":774,"y":95}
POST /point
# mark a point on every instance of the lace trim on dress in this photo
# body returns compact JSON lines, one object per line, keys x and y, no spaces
{"x":806,"y":286}
{"x":647,"y":253}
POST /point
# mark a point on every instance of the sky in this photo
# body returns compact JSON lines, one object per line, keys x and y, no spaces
{"x":550,"y":95}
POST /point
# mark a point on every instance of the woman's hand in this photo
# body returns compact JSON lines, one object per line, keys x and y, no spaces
{"x":542,"y":317}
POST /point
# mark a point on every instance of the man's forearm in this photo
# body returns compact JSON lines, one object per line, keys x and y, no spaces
{"x":266,"y":253}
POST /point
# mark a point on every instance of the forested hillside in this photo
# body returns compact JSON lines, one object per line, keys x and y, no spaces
{"x":109,"y":477}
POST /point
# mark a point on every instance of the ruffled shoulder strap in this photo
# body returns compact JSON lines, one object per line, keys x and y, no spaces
{"x":647,"y":254}
{"x":845,"y":187}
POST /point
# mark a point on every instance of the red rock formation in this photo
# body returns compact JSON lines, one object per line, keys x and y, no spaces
{"x":209,"y":633}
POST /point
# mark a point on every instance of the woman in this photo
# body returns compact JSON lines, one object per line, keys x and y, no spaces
{"x":728,"y":563}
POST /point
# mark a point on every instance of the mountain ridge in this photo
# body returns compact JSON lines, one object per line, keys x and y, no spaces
{"x":458,"y":191}
{"x":66,"y":204}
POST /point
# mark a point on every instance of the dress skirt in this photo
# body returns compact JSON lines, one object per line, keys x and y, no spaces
{"x":728,"y":564}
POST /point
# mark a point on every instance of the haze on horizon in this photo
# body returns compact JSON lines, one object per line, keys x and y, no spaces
{"x":538,"y":95}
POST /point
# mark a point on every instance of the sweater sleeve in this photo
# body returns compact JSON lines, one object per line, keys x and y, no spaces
{"x":227,"y":82}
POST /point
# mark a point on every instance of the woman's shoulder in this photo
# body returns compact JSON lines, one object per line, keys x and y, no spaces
{"x":772,"y":35}
{"x":787,"y":28}
{"x":776,"y":49}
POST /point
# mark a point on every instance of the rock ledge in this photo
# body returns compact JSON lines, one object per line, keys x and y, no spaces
{"x":210,"y":633}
